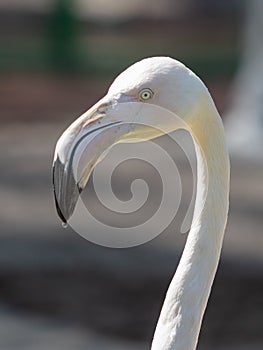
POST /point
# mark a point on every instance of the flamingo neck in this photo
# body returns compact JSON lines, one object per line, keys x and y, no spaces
{"x":183,"y":309}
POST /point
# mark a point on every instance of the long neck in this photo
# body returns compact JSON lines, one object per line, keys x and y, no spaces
{"x":183,"y":309}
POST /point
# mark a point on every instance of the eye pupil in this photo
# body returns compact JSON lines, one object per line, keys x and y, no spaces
{"x":146,"y":94}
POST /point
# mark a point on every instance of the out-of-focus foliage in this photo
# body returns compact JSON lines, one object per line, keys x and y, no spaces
{"x":67,"y":38}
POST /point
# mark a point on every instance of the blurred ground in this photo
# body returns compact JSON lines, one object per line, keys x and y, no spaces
{"x":58,"y":291}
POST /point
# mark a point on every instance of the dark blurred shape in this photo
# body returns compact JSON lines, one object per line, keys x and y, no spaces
{"x":63,"y":28}
{"x":68,"y":37}
{"x":215,"y":8}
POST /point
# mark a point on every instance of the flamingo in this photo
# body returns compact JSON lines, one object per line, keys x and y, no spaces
{"x":167,"y":83}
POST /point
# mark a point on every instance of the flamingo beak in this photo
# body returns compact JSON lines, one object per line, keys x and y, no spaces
{"x":78,"y":150}
{"x":86,"y":141}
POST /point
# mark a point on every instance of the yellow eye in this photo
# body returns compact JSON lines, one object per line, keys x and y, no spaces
{"x":145,"y":94}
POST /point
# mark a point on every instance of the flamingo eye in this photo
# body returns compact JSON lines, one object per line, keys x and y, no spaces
{"x":145,"y":94}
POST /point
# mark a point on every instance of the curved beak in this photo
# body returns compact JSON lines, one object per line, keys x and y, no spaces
{"x":90,"y":135}
{"x":85,"y":142}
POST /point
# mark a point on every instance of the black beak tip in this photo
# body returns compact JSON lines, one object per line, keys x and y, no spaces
{"x":60,"y":214}
{"x":56,"y":167}
{"x":69,"y":182}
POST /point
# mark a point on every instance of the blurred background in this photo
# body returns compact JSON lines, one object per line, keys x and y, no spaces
{"x":57,"y":58}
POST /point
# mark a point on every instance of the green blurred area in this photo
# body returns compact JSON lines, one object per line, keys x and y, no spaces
{"x":61,"y":43}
